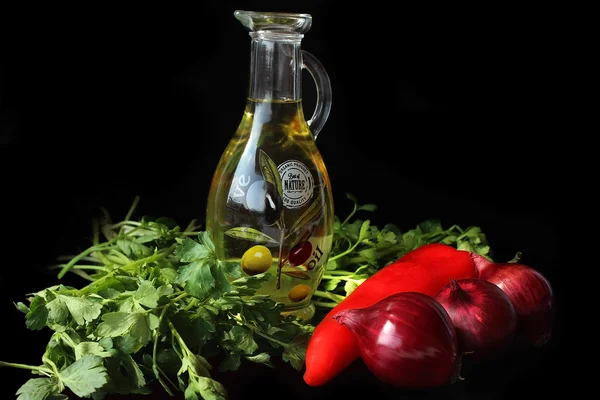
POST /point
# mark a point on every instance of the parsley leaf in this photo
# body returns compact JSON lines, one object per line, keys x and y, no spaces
{"x":205,"y":388}
{"x":80,"y":308}
{"x":85,"y":375}
{"x":190,"y":250}
{"x":197,"y":279}
{"x":205,"y":275}
{"x":147,"y":294}
{"x":295,"y":352}
{"x":22,"y":307}
{"x":241,"y":339}
{"x":133,"y":248}
{"x":38,"y":314}
{"x":137,"y":325}
{"x":92,"y":348}
{"x":38,"y":389}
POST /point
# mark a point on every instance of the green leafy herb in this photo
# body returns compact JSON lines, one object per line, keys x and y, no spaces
{"x":85,"y":375}
{"x":159,"y":306}
{"x":157,"y":296}
{"x":38,"y":389}
{"x":360,"y":249}
{"x":205,"y":275}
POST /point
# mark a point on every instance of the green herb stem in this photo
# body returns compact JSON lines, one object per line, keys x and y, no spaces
{"x":356,"y":260}
{"x":52,"y":365}
{"x":447,"y":231}
{"x":136,"y":201}
{"x":458,"y":228}
{"x":117,"y":255}
{"x":157,"y":370}
{"x":342,"y":278}
{"x":390,"y":250}
{"x":189,"y":233}
{"x":325,"y":304}
{"x":96,"y":241}
{"x":465,"y":233}
{"x":67,"y":339}
{"x":124,"y":223}
{"x":331,"y":296}
{"x":82,"y":274}
{"x":102,"y":259}
{"x":81,"y":266}
{"x":83,"y":254}
{"x":24,"y":366}
{"x":69,"y":257}
{"x":155,"y":257}
{"x":398,"y":247}
{"x":95,"y":232}
{"x":109,"y":260}
{"x":337,"y":272}
{"x":169,"y":304}
{"x":85,"y":289}
{"x":162,"y":383}
{"x":152,"y":258}
{"x":348,"y":251}
{"x":186,"y":351}
{"x":191,"y":226}
{"x":256,"y":330}
{"x":191,"y":304}
{"x":351,"y":214}
{"x":174,"y":346}
{"x":97,"y":248}
{"x":264,"y":335}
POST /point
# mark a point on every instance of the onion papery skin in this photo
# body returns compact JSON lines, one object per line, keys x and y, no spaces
{"x":406,"y":340}
{"x":530,"y":293}
{"x":482,"y":314}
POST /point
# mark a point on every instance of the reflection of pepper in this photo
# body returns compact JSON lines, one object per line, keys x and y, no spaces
{"x":427,"y":269}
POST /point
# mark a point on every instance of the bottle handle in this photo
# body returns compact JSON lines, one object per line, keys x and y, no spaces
{"x":323,"y":84}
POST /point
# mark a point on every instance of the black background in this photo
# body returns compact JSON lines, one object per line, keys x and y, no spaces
{"x":437,"y":113}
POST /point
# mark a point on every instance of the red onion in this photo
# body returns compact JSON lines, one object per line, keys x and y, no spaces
{"x":531,"y":295}
{"x":406,"y":340}
{"x":483,"y":316}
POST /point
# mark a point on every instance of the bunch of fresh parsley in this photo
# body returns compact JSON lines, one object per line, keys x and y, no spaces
{"x":159,"y":306}
{"x":361,"y":249}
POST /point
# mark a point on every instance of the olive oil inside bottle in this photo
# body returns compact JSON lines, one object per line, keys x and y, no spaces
{"x":271,"y":189}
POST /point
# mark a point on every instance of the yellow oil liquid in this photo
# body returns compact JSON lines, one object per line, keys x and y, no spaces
{"x":244,"y":198}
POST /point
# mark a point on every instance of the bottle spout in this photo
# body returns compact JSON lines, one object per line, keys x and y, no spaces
{"x":256,"y":21}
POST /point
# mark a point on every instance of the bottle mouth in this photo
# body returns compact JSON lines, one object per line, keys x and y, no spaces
{"x":277,"y":36}
{"x":274,"y":22}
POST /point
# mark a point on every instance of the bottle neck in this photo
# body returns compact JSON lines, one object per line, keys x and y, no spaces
{"x":275,"y":66}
